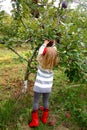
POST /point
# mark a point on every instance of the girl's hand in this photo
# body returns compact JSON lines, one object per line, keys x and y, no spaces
{"x":46,"y":42}
{"x":53,"y":41}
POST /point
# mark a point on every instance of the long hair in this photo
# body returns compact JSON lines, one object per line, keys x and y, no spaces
{"x":50,"y":59}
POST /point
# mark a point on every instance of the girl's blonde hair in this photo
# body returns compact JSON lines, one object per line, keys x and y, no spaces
{"x":50,"y":59}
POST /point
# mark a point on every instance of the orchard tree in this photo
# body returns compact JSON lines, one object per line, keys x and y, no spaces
{"x":36,"y":20}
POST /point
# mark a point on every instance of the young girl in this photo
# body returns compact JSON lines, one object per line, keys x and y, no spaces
{"x":47,"y":59}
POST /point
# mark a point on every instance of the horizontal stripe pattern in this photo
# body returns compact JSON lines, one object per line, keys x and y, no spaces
{"x":42,"y":71}
{"x":44,"y":78}
{"x":44,"y":81}
{"x":42,"y":85}
{"x":42,"y":90}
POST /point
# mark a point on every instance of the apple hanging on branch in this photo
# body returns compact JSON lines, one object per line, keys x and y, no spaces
{"x":35,"y":1}
{"x":64,"y":4}
{"x":35,"y":11}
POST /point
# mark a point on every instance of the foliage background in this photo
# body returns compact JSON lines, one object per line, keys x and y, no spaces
{"x":30,"y":24}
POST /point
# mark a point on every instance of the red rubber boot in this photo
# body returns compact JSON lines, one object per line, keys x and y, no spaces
{"x":44,"y":117}
{"x":34,"y":122}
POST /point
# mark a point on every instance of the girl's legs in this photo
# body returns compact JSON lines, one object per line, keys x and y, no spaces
{"x":45,"y":114}
{"x":35,"y":122}
{"x":45,"y":100}
{"x":36,"y":100}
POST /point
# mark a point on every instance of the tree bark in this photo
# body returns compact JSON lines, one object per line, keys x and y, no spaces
{"x":17,"y":53}
{"x":28,"y":71}
{"x":28,"y":65}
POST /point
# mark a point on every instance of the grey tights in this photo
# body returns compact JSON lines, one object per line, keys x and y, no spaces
{"x":37,"y":97}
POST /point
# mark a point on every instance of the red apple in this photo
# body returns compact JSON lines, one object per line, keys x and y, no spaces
{"x":68,"y":115}
{"x":41,"y":108}
{"x":36,"y":1}
{"x":51,"y":123}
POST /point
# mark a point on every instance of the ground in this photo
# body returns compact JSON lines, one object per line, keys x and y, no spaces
{"x":15,"y":107}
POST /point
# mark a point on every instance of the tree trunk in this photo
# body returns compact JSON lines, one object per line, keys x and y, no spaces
{"x":28,"y":71}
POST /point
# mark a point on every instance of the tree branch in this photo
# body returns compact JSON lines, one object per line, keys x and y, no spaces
{"x":28,"y":65}
{"x":23,"y":23}
{"x":17,"y":53}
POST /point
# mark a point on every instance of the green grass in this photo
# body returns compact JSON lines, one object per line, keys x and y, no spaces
{"x":15,"y":111}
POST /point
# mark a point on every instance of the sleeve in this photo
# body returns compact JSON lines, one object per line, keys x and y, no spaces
{"x":41,"y":49}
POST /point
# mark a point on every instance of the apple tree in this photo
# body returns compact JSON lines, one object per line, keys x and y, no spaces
{"x":36,"y":20}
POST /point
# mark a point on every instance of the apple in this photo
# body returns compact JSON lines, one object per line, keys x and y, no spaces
{"x":64,"y":4}
{"x":36,"y":1}
{"x":41,"y":108}
{"x":51,"y":123}
{"x":68,"y":115}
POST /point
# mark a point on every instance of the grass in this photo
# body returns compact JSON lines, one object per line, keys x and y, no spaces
{"x":68,"y":101}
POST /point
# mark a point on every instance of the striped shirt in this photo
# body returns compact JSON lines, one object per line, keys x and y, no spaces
{"x":44,"y":78}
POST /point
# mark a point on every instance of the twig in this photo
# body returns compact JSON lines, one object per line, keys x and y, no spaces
{"x":17,"y":53}
{"x":75,"y":85}
{"x":23,"y":23}
{"x":29,"y":62}
{"x":6,"y":88}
